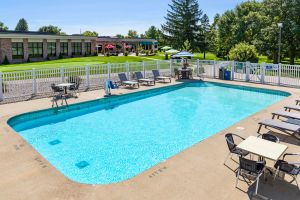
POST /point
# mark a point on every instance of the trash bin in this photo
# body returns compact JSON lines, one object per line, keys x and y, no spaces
{"x":227,"y":75}
{"x":221,"y":73}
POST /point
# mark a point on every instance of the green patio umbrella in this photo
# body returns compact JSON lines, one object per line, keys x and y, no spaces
{"x":166,"y":48}
{"x":172,"y":51}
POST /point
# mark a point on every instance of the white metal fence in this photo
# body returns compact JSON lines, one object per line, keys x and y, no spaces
{"x":37,"y":82}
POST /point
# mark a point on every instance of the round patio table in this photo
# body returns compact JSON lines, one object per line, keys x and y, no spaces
{"x":65,"y":86}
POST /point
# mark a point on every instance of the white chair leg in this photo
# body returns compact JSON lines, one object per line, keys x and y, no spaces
{"x":237,"y":178}
{"x":227,"y":157}
{"x":257,"y":182}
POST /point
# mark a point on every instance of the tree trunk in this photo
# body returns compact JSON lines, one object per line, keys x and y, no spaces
{"x":292,"y":54}
{"x":275,"y":57}
{"x":204,"y":54}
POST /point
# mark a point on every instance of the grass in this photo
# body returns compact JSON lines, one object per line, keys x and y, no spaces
{"x":82,"y":61}
{"x":73,"y":62}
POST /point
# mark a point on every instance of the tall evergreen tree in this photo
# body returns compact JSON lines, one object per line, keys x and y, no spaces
{"x":183,"y":24}
{"x":22,"y":25}
{"x":205,"y":30}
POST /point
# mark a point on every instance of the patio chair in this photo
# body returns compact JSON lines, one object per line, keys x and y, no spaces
{"x":125,"y":81}
{"x":233,"y":147}
{"x":285,"y":114}
{"x":286,"y":127}
{"x":290,"y":168}
{"x":140,"y":78}
{"x":292,"y":107}
{"x":158,"y":77}
{"x":74,"y":89}
{"x":252,"y":169}
{"x":269,"y":137}
{"x":58,"y":94}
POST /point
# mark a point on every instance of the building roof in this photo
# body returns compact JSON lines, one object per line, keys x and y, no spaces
{"x":40,"y":35}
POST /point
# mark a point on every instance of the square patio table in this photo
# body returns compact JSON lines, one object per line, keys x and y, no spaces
{"x":263,"y":148}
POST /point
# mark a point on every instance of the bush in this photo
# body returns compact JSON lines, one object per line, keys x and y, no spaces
{"x":60,"y":56}
{"x":126,"y":53}
{"x":5,"y":61}
{"x":243,"y":52}
{"x":166,"y":57}
{"x":28,"y":60}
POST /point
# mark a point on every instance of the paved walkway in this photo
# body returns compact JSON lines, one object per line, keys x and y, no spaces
{"x":196,"y":173}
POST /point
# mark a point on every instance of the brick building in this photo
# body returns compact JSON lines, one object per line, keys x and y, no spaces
{"x":34,"y":46}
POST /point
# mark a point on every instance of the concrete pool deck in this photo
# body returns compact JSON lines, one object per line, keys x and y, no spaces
{"x":196,"y":173}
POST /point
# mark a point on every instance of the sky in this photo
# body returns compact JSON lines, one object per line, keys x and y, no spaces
{"x":107,"y":17}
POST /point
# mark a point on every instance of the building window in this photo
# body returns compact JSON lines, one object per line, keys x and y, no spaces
{"x":88,"y":48}
{"x":76,"y":48}
{"x":35,"y":49}
{"x":51,"y":49}
{"x":64,"y":48}
{"x":17,"y":50}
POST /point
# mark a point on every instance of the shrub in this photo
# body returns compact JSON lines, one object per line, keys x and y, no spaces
{"x":243,"y":52}
{"x":126,"y":53}
{"x":60,"y":56}
{"x":166,"y":57}
{"x":28,"y":60}
{"x":5,"y":61}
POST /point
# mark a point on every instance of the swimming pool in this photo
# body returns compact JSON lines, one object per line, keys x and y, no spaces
{"x":114,"y":139}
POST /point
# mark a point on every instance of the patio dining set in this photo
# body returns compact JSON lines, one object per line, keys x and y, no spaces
{"x":267,"y":147}
{"x":63,"y":91}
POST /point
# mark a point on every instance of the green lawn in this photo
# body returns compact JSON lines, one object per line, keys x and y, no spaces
{"x":73,"y":62}
{"x":82,"y":61}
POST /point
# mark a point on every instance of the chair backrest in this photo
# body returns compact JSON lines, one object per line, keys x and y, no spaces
{"x":230,"y":142}
{"x":270,"y":137}
{"x":122,"y":77}
{"x":138,"y":75}
{"x":248,"y":165}
{"x":55,"y":88}
{"x":155,"y":72}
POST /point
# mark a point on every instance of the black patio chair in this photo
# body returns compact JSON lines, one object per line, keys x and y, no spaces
{"x":250,"y":168}
{"x":74,"y":89}
{"x":58,"y":94}
{"x":290,"y":168}
{"x":270,"y":137}
{"x":233,"y":147}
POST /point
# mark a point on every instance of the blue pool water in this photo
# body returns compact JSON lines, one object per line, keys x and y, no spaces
{"x":111,"y":140}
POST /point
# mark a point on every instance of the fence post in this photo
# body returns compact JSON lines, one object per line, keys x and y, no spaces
{"x":262,"y":68}
{"x":144,"y":70}
{"x":157,"y":65}
{"x":279,"y":73}
{"x":247,"y":71}
{"x":127,"y":70}
{"x":232,"y":70}
{"x":1,"y":87}
{"x":108,"y":70}
{"x":62,"y":74}
{"x":198,"y":65}
{"x":34,"y":84}
{"x":87,"y":73}
{"x":214,"y":69}
{"x":171,"y":67}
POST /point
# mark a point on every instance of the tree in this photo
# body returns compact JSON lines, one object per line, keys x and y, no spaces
{"x":205,"y":30}
{"x":152,"y":33}
{"x":182,"y":23}
{"x":51,"y":29}
{"x":120,"y":36}
{"x":90,"y":33}
{"x":3,"y":27}
{"x":132,"y":34}
{"x":22,"y":25}
{"x":243,"y":52}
